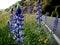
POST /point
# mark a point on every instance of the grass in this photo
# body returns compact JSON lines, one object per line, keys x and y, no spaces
{"x":4,"y":19}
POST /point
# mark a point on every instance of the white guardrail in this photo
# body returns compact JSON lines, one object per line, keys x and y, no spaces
{"x":55,"y":37}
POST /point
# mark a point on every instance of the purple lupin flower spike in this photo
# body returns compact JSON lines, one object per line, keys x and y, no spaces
{"x":14,"y":37}
{"x":29,"y":9}
{"x":55,"y":25}
{"x":17,"y":25}
{"x":19,"y":13}
{"x":39,"y":16}
{"x":20,"y":40}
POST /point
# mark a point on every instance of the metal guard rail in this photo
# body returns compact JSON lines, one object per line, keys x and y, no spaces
{"x":55,"y":37}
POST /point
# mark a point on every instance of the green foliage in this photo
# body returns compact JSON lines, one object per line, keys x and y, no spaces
{"x":54,"y":14}
{"x":51,"y":6}
{"x":58,"y":10}
{"x":0,"y":12}
{"x":7,"y":9}
{"x":34,"y":36}
{"x":5,"y":39}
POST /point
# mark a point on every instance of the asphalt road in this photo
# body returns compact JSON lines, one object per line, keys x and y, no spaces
{"x":50,"y":21}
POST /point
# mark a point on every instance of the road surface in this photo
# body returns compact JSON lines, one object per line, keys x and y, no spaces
{"x":50,"y":21}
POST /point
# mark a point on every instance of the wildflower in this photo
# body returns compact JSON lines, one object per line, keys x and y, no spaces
{"x":21,"y":28}
{"x":11,"y":17}
{"x":21,"y":34}
{"x":39,"y":16}
{"x":15,"y":31}
{"x":29,"y":9}
{"x":46,"y":40}
{"x":17,"y":25}
{"x":38,"y":1}
{"x":21,"y":16}
{"x":21,"y":23}
{"x":20,"y":40}
{"x":39,"y":40}
{"x":21,"y":19}
{"x":14,"y":37}
{"x":15,"y":17}
{"x":18,"y":11}
{"x":39,"y":7}
{"x":55,"y":24}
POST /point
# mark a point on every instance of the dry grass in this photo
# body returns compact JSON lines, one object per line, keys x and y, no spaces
{"x":4,"y":19}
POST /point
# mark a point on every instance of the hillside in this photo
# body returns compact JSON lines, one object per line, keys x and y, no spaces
{"x":50,"y":6}
{"x":4,"y":18}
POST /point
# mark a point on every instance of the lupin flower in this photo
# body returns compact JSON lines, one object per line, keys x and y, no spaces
{"x":18,"y":11}
{"x":39,"y":7}
{"x":15,"y":17}
{"x":39,"y":1}
{"x":55,"y":25}
{"x":21,"y":23}
{"x":29,"y":9}
{"x":14,"y":37}
{"x":11,"y":17}
{"x":39,"y":10}
{"x":21,"y":28}
{"x":20,"y":40}
{"x":21,"y":18}
{"x":14,"y":31}
{"x":20,"y":34}
{"x":40,"y":17}
{"x":17,"y":25}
